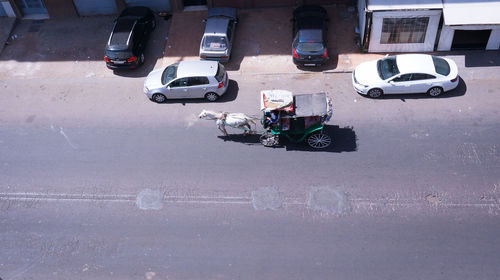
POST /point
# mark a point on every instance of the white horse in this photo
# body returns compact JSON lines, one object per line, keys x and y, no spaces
{"x":236,"y":120}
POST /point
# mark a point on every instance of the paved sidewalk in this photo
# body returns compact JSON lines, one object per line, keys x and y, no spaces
{"x":74,"y":47}
{"x":263,"y":41}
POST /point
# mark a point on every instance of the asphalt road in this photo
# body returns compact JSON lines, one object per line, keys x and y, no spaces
{"x":99,"y":183}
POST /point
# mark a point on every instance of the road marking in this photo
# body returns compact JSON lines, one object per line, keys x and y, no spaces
{"x":356,"y":203}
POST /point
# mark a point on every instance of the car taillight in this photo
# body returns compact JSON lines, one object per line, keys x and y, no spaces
{"x":221,"y":84}
{"x":325,"y":53}
{"x":454,"y":80}
{"x":295,"y":53}
{"x":107,"y":59}
{"x":132,"y":59}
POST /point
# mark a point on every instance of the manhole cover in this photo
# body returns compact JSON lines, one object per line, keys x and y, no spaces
{"x":329,"y":200}
{"x":149,"y":199}
{"x":267,"y":198}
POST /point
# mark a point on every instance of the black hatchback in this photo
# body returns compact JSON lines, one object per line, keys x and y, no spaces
{"x":126,"y":44}
{"x":309,"y":46}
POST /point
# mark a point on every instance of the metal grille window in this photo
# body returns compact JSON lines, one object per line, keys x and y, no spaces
{"x":404,"y":30}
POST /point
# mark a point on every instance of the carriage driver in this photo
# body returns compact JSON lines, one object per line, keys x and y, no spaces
{"x":271,"y":118}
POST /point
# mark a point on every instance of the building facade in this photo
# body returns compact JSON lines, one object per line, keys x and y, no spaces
{"x":428,"y":25}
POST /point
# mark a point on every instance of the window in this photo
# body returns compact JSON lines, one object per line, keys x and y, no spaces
{"x":215,"y":43}
{"x":197,"y":81}
{"x":387,"y":67}
{"x":182,"y":82}
{"x":421,"y":76}
{"x":169,"y":74}
{"x":442,"y":67}
{"x":402,"y":78}
{"x":220,"y":73}
{"x":229,"y":30}
{"x":404,"y":30}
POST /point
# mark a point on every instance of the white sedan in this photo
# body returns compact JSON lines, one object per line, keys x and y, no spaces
{"x":406,"y":73}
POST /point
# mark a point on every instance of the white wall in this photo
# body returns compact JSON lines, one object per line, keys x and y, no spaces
{"x":430,"y":35}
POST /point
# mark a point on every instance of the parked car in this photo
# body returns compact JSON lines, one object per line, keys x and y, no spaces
{"x":406,"y":73}
{"x":127,"y":42}
{"x":309,"y":46}
{"x":217,"y":40}
{"x":187,"y":79}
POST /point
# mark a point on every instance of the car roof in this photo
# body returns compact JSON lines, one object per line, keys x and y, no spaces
{"x":415,"y":63}
{"x":121,"y":32}
{"x":216,"y":25}
{"x":197,"y":68}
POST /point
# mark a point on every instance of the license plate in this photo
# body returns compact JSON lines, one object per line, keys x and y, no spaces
{"x":309,"y":64}
{"x":119,"y":61}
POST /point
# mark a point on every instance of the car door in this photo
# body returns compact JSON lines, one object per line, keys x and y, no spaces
{"x":423,"y":82}
{"x":399,"y":84}
{"x":177,"y":88}
{"x":197,"y":87}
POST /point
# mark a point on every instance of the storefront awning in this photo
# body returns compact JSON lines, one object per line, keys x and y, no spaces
{"x":391,"y":5}
{"x":471,"y":12}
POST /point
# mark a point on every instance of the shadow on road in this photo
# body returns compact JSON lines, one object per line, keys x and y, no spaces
{"x":481,"y":58}
{"x":343,"y":140}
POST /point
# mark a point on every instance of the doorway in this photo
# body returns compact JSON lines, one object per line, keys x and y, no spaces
{"x":470,"y":39}
{"x":195,"y":3}
{"x":31,"y":7}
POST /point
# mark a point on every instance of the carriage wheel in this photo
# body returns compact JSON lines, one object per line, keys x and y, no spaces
{"x":319,"y":140}
{"x":269,"y":140}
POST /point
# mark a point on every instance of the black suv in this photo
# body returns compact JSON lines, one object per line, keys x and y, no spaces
{"x":126,"y":44}
{"x":309,"y":35}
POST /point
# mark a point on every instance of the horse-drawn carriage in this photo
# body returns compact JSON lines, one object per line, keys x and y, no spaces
{"x":298,"y":117}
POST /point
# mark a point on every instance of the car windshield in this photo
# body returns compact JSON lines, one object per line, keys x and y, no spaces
{"x":214,"y":43}
{"x":441,"y":65}
{"x":387,"y":67}
{"x":309,"y":47}
{"x":169,"y":74}
{"x":111,"y":54}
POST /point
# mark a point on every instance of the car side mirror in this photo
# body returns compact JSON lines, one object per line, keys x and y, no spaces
{"x":204,"y":20}
{"x":392,"y":82}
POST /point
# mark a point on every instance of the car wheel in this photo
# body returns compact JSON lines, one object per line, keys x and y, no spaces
{"x":319,"y":140}
{"x":375,"y":93}
{"x":158,"y":98}
{"x":269,"y":140}
{"x":211,"y":96}
{"x":435,"y":91}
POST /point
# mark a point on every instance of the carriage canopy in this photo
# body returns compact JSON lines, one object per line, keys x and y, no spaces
{"x":302,"y":105}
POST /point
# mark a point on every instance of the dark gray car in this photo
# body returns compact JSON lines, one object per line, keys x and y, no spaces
{"x":217,"y":41}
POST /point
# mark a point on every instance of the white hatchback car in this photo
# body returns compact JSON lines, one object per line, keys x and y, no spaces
{"x":406,"y":73}
{"x":187,"y":79}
